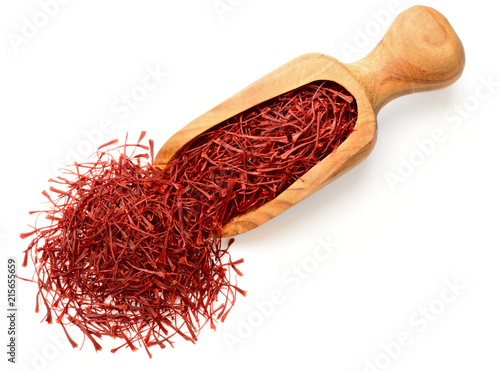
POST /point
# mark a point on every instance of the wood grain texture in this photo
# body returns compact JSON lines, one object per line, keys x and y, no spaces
{"x":419,"y":52}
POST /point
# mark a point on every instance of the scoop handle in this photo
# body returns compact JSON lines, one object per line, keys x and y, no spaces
{"x":419,"y":52}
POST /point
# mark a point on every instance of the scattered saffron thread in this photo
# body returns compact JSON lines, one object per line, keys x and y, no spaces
{"x":129,"y":251}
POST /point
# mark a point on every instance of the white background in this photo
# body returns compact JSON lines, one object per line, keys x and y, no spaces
{"x":397,"y":246}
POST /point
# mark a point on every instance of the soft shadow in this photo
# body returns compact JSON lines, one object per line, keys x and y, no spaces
{"x":293,"y":219}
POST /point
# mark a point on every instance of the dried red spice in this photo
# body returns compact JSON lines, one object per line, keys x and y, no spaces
{"x":130,"y":250}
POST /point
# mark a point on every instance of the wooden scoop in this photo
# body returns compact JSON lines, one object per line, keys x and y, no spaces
{"x":419,"y":52}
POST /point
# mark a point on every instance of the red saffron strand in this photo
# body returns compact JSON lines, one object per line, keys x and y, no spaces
{"x":129,"y":250}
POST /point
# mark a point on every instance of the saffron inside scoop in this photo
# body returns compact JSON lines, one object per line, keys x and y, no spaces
{"x":127,"y":250}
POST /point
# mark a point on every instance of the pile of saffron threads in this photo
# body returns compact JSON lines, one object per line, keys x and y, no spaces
{"x":130,"y":248}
